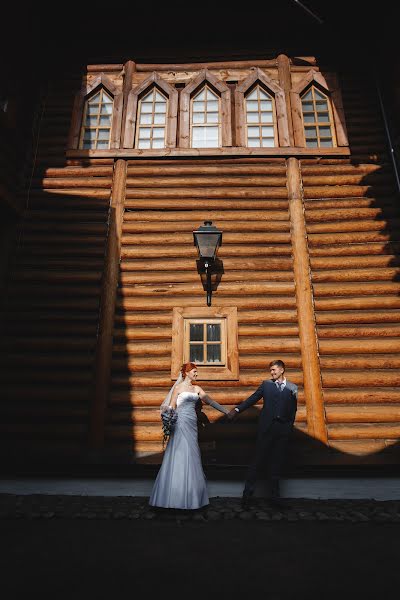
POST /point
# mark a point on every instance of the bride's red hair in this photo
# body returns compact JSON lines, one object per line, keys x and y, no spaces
{"x":186,"y":367}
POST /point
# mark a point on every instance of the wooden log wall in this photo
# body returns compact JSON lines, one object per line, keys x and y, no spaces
{"x":50,"y":317}
{"x":353,"y":218}
{"x":52,"y":320}
{"x":165,"y":201}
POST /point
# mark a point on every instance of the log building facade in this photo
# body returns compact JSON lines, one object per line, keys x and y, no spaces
{"x":102,"y":298}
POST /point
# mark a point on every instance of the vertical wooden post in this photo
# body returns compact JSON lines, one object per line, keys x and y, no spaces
{"x":102,"y":367}
{"x":129,"y":69}
{"x":305,"y":307}
{"x":285,"y":82}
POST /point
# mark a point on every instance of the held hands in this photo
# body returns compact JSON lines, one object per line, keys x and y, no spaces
{"x":232,"y":415}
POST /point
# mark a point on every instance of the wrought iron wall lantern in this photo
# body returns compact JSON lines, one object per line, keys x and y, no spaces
{"x":207,"y":239}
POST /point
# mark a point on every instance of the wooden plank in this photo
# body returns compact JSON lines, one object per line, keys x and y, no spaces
{"x":287,"y":135}
{"x":184,"y":149}
{"x":307,"y":330}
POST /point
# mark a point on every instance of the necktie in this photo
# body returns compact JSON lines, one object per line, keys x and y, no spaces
{"x":280,"y":385}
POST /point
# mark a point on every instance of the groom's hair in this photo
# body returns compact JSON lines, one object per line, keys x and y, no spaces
{"x":279,"y":363}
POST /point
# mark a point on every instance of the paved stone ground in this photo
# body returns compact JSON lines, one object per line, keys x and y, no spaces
{"x":45,"y":506}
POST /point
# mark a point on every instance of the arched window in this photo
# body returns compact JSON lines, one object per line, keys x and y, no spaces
{"x":205,"y":113}
{"x":317,"y":119}
{"x":205,"y":122}
{"x":151,"y":115}
{"x":260,"y":119}
{"x":97,"y":121}
{"x":151,"y":119}
{"x":96,"y":117}
{"x":317,"y":112}
{"x":260,"y":112}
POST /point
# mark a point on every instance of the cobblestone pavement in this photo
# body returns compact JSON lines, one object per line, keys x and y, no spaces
{"x":45,"y":506}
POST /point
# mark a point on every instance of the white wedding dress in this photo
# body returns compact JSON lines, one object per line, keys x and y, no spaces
{"x":181,"y":482}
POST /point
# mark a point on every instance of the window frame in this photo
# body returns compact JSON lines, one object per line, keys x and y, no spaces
{"x":187,"y":342}
{"x":193,"y":125}
{"x":328,"y":85}
{"x":218,"y":87}
{"x":317,"y":124}
{"x":274,"y":90}
{"x":132,"y":112}
{"x":227,"y":372}
{"x":89,"y":89}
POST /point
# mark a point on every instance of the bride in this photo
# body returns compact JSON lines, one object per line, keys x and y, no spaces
{"x":181,"y":482}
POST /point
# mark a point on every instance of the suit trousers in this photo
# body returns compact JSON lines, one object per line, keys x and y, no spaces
{"x":269,"y":455}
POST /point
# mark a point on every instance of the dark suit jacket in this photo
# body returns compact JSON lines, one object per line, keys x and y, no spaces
{"x":282,"y":405}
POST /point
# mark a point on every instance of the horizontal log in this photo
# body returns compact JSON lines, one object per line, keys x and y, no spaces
{"x":188,"y":276}
{"x":342,"y":169}
{"x":272,"y":288}
{"x":82,"y":240}
{"x":70,"y":182}
{"x":271,"y":263}
{"x":58,"y":277}
{"x":94,"y":192}
{"x":47,"y":343}
{"x":365,"y":448}
{"x":358,"y":262}
{"x":352,"y":179}
{"x":373,"y":361}
{"x":384,"y":378}
{"x":41,"y":217}
{"x":363,"y":414}
{"x":345,"y":191}
{"x":255,"y":345}
{"x":184,"y":169}
{"x":207,"y":192}
{"x":50,"y":430}
{"x":206,"y":203}
{"x":161,"y":379}
{"x":220,"y":180}
{"x":378,"y":274}
{"x":322,"y":214}
{"x":66,"y":290}
{"x":362,"y":395}
{"x":244,"y":316}
{"x":262,"y":361}
{"x":44,"y":393}
{"x":359,"y":249}
{"x":355,"y":237}
{"x":229,"y":238}
{"x":143,"y":348}
{"x":245,"y":217}
{"x":189,"y":251}
{"x":30,"y":375}
{"x":150,"y":303}
{"x":360,"y":289}
{"x":371,"y":203}
{"x":359,"y":346}
{"x":87,"y":171}
{"x":155,"y":333}
{"x":371,"y":431}
{"x":377,"y":330}
{"x":162,"y":226}
{"x":55,"y":360}
{"x":381,"y":225}
{"x":365,"y":303}
{"x":353,"y":317}
{"x":64,"y":228}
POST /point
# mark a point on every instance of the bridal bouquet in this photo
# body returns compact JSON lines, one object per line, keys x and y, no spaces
{"x":169,"y":417}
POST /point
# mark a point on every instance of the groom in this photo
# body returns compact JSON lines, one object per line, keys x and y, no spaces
{"x":274,"y":427}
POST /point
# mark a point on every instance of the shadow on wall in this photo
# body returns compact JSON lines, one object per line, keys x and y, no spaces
{"x":52,"y":315}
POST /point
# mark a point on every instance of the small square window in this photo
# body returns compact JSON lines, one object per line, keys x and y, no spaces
{"x":207,"y":337}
